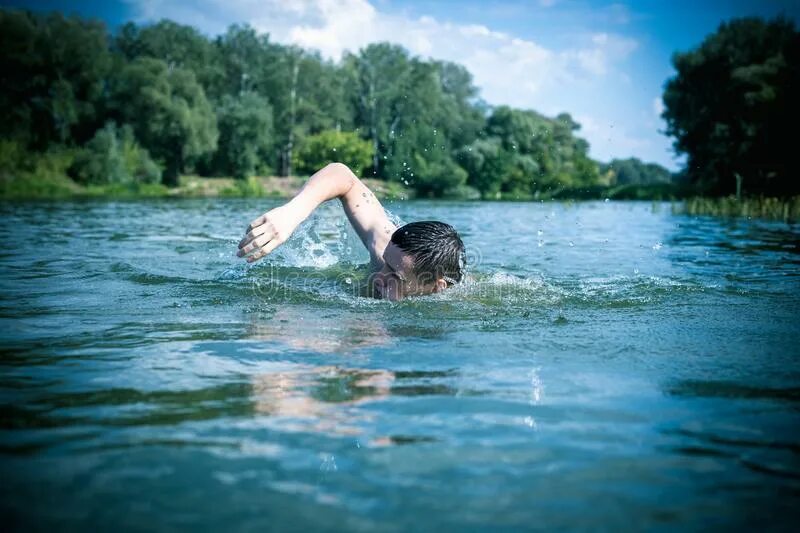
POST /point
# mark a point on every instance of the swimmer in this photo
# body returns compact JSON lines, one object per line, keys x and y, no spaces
{"x":416,"y":259}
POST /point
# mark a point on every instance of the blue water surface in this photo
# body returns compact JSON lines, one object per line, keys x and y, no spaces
{"x":607,"y":366}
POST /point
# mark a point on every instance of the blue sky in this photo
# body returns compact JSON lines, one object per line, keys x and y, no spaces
{"x":603,"y":62}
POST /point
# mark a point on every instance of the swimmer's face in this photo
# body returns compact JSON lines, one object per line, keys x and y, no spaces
{"x":397,"y":279}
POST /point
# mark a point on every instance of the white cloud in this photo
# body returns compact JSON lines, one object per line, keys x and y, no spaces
{"x":509,"y":70}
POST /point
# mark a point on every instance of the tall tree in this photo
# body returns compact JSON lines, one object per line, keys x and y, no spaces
{"x":169,"y":113}
{"x":52,"y":71}
{"x":732,"y":105}
{"x":179,"y":46}
{"x":245,"y":134}
{"x":374,"y":74}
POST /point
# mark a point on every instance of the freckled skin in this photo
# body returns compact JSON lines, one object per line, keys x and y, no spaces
{"x":392,"y":280}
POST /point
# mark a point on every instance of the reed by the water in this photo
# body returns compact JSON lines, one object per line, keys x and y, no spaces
{"x":785,"y":209}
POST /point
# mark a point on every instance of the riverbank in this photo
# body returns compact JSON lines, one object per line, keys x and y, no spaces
{"x":55,"y":187}
{"x":52,"y":186}
{"x":47,"y":180}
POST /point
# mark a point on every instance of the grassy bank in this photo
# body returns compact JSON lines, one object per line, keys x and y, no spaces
{"x":47,"y":185}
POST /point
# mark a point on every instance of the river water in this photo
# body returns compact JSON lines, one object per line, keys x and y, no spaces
{"x":607,"y":366}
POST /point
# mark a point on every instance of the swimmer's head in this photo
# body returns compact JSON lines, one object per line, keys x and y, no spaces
{"x":421,"y":258}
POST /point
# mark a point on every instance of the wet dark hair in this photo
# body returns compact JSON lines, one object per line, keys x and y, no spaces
{"x":436,"y":248}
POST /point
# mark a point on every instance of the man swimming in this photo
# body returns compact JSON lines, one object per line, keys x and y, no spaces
{"x":416,"y":259}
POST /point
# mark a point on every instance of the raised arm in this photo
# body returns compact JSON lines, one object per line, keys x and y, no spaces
{"x":362,"y":208}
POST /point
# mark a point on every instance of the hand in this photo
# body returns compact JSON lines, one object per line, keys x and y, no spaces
{"x":267,"y":232}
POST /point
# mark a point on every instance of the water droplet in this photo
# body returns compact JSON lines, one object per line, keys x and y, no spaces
{"x":606,"y":200}
{"x":657,"y":246}
{"x":349,"y":281}
{"x":334,"y":149}
{"x":571,"y":243}
{"x":635,"y":270}
{"x":541,"y":243}
{"x":539,"y":233}
{"x":328,"y":463}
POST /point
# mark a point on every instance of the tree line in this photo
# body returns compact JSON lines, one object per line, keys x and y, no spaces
{"x":148,"y":103}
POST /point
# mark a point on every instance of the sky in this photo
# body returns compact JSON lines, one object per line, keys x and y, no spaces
{"x":603,"y":62}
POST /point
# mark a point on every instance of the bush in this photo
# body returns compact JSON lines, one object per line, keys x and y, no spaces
{"x":433,"y":178}
{"x":24,"y":174}
{"x":113,"y":156}
{"x":245,"y":188}
{"x":462,"y":192}
{"x":318,"y":150}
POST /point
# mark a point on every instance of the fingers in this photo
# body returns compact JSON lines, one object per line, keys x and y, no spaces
{"x":260,"y":238}
{"x":256,"y":222}
{"x":271,"y":245}
{"x":253,"y":233}
{"x":255,"y":244}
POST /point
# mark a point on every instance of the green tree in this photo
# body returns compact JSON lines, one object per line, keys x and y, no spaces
{"x":633,"y":171}
{"x":415,"y":113}
{"x":373,"y":75}
{"x":245,"y":134}
{"x":53,"y":75}
{"x":169,"y":113}
{"x":346,"y":147}
{"x":523,"y":152}
{"x":307,"y":93}
{"x":179,"y":46}
{"x":732,"y":105}
{"x":487,"y":165}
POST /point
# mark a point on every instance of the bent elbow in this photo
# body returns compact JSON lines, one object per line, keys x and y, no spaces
{"x":338,"y":167}
{"x":340,"y":178}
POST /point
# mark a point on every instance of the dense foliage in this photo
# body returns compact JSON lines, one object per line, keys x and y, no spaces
{"x":320,"y":149}
{"x":114,"y":156}
{"x":632,"y":171}
{"x":732,"y":107}
{"x":164,"y":100}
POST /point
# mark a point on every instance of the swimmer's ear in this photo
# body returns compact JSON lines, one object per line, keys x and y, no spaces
{"x":440,"y":285}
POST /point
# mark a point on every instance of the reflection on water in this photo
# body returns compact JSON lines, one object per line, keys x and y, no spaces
{"x":324,"y":331}
{"x":324,"y":398}
{"x":317,"y":397}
